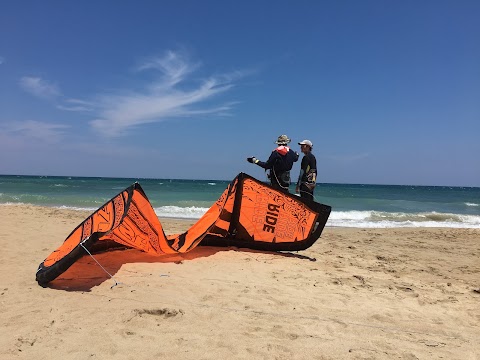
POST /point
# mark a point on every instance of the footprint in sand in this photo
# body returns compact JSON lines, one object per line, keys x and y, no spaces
{"x":22,"y":342}
{"x":159,"y":312}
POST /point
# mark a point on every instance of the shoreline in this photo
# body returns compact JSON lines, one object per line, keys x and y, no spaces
{"x":169,"y":219}
{"x":406,"y":293}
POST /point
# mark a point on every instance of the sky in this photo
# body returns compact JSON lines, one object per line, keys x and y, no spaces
{"x":387,"y":91}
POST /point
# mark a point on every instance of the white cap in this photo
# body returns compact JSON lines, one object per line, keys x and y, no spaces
{"x":306,"y":142}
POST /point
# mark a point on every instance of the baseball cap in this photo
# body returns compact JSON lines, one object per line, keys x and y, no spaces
{"x":306,"y":142}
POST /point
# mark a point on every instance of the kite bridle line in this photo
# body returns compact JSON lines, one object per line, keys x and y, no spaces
{"x":89,"y":253}
{"x":286,"y":187}
{"x":276,"y":178}
{"x":306,"y":192}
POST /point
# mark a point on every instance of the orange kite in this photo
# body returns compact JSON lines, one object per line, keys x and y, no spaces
{"x":249,"y":214}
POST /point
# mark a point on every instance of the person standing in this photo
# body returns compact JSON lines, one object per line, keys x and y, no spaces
{"x":279,"y":163}
{"x":308,"y":171}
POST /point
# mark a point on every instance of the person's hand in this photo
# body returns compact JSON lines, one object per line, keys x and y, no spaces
{"x":252,"y":160}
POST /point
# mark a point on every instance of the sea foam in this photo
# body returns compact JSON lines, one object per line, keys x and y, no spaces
{"x":370,"y":219}
{"x":191,"y":212}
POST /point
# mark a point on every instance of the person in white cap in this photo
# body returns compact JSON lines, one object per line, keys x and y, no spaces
{"x":279,"y":163}
{"x":308,"y":171}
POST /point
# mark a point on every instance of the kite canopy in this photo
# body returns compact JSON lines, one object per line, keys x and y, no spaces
{"x":249,"y":214}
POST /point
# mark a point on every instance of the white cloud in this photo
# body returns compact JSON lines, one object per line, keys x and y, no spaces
{"x":76,"y":105}
{"x":173,"y":65}
{"x":162,"y":99}
{"x":30,"y":129}
{"x":2,"y":60}
{"x":172,"y":92}
{"x":39,"y":87}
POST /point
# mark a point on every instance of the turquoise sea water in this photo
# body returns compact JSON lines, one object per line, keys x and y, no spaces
{"x":352,"y":205}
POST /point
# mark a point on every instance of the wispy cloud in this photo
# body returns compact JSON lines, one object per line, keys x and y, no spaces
{"x":39,"y":87}
{"x":48,"y":91}
{"x":172,"y":64}
{"x":173,"y":94}
{"x":2,"y":60}
{"x":76,"y":105}
{"x":31,"y":129}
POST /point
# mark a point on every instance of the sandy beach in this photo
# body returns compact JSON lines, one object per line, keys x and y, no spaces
{"x":410,"y":293}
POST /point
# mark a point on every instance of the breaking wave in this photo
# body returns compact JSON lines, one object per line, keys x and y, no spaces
{"x":370,"y":219}
{"x":359,"y":219}
{"x":191,"y":212}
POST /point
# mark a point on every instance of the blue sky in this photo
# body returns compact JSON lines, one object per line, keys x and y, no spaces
{"x":387,"y":91}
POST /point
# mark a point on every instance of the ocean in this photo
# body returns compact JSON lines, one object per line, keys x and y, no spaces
{"x":353,"y":205}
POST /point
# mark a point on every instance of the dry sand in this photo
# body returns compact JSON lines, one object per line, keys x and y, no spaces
{"x":356,"y":294}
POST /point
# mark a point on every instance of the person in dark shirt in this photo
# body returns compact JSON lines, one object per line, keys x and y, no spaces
{"x":279,"y":163}
{"x":308,"y":171}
